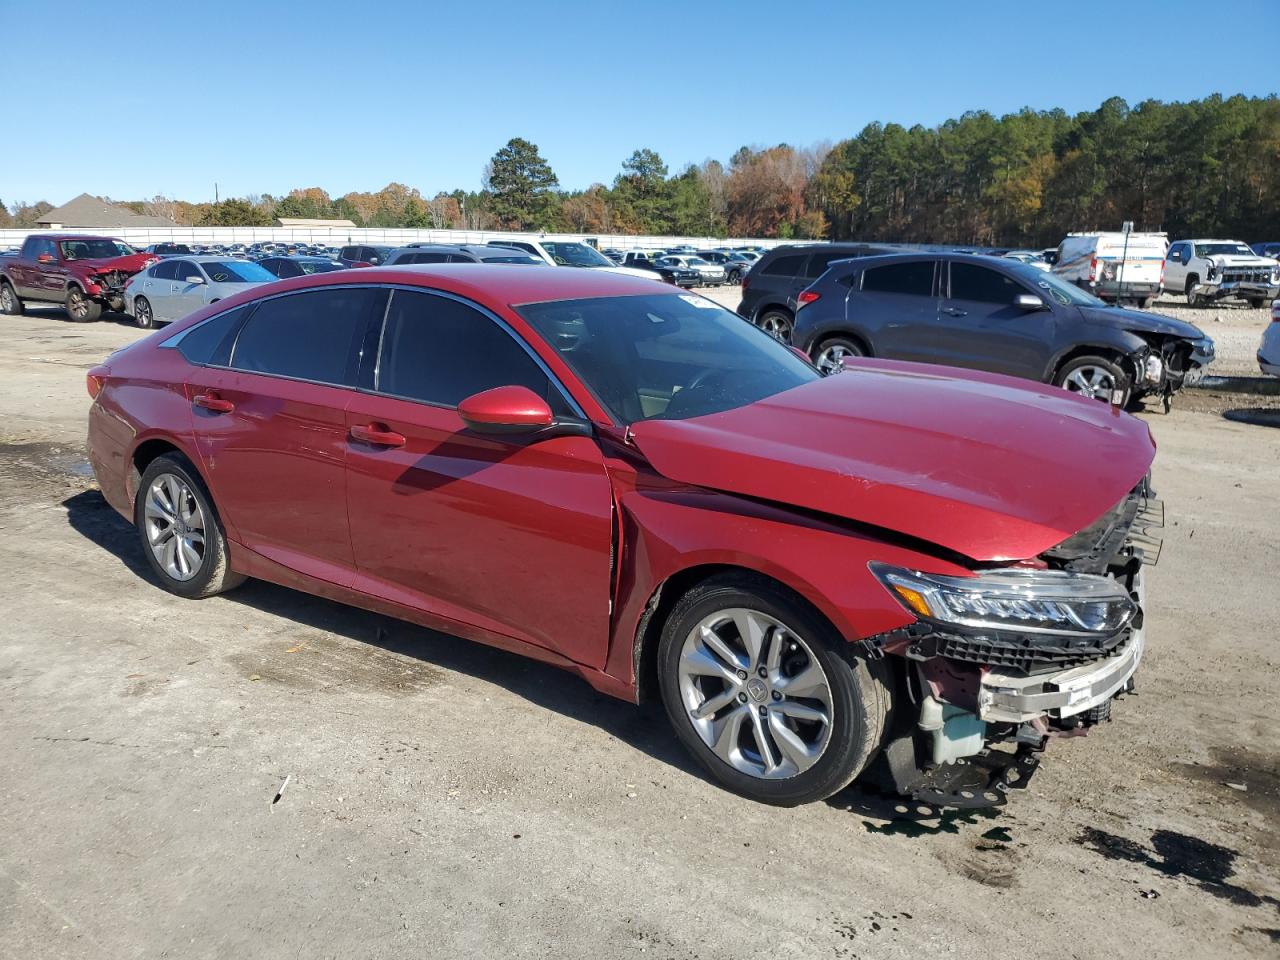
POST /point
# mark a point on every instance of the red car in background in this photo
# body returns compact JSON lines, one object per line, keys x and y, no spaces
{"x":85,"y":273}
{"x":904,"y":564}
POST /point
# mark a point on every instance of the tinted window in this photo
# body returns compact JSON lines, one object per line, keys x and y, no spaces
{"x":165,"y":270}
{"x":784,"y":266}
{"x":970,"y":282}
{"x":209,"y":342}
{"x":183,"y":269}
{"x":819,"y":262}
{"x":350,"y":253}
{"x":317,"y":266}
{"x":304,"y":335}
{"x":430,"y":257}
{"x":914,"y":278}
{"x":236,"y":271}
{"x":442,"y":351}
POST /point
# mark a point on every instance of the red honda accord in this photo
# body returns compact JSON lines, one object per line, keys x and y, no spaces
{"x":909,"y":570}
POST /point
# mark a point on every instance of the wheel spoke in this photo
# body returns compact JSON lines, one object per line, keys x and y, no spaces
{"x":713,"y":705}
{"x":191,"y":559}
{"x":725,"y":734}
{"x":789,"y":742}
{"x":807,"y":683}
{"x":701,"y":663}
{"x":168,"y":553}
{"x":715,"y":643}
{"x":751,"y":630}
{"x":773,"y":659}
{"x":156,"y":509}
{"x":764,"y":746}
{"x":800,"y":711}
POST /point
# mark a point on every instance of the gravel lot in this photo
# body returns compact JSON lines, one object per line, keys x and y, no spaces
{"x":449,"y":800}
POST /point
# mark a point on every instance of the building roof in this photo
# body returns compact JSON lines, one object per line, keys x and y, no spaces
{"x":310,"y":222}
{"x":87,"y":211}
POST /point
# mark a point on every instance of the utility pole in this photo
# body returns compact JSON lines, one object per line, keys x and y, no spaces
{"x":215,"y":193}
{"x":1126,"y":229}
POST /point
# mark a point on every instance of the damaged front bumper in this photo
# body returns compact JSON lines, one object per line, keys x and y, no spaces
{"x":1239,"y":289}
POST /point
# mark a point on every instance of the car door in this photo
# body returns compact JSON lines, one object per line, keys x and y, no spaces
{"x":508,"y":534}
{"x":271,"y":430}
{"x":1175,"y":266}
{"x":157,"y":287}
{"x":981,"y":327}
{"x":51,"y":275}
{"x":896,"y":308}
{"x":184,"y":296}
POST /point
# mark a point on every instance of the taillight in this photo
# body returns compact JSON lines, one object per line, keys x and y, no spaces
{"x":806,"y":296}
{"x":746,"y":282}
{"x":1093,"y":269}
{"x":93,"y":383}
{"x":1162,"y":263}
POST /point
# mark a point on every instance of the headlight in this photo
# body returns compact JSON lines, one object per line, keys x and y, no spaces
{"x":1209,"y":271}
{"x":1153,"y":368}
{"x":1015,"y":601}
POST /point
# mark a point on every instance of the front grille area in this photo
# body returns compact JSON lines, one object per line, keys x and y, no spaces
{"x":1246,"y":274}
{"x":112,"y":279}
{"x":1031,"y":654}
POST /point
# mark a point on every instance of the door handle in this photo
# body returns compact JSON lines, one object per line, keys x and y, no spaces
{"x":378,"y":435}
{"x":213,"y":403}
{"x":952,"y":311}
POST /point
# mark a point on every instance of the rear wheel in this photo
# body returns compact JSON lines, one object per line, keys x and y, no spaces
{"x":734,"y":277}
{"x":1194,"y":299}
{"x":777,"y":323}
{"x":181,"y":534}
{"x":833,"y":352}
{"x":1257,"y":302}
{"x":9,"y":302}
{"x":80,"y":308}
{"x":142,"y":314}
{"x":766,"y":694}
{"x":1096,"y":378}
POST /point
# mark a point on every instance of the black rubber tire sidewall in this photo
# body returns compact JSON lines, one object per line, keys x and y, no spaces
{"x":857,"y":349}
{"x":151,"y":317}
{"x":215,"y":575}
{"x":93,"y":309}
{"x":17,"y":302}
{"x":860,"y":691}
{"x":783,"y":318}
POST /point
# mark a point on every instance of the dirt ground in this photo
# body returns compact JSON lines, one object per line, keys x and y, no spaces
{"x":448,"y":800}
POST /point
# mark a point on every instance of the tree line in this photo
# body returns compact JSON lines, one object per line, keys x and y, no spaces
{"x":1208,"y":167}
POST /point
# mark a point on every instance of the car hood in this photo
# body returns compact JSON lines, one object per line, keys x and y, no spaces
{"x":989,"y":467}
{"x":1240,"y":260}
{"x":1142,"y":322}
{"x":131,"y":263}
{"x":627,"y":272}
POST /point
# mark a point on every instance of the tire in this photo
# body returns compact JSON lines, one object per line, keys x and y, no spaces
{"x":143,"y":315}
{"x":1094,"y":377}
{"x":1193,"y":299}
{"x":191,"y":570}
{"x":734,"y":277}
{"x":10,"y":305}
{"x":80,"y":308}
{"x":1146,"y":302}
{"x":832,"y":725}
{"x":1257,"y":302}
{"x":829,"y":354}
{"x":777,"y":323}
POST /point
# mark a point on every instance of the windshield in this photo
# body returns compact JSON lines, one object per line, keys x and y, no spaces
{"x":697,"y":262}
{"x":94,"y":249}
{"x":1218,"y":249}
{"x":238,"y":271}
{"x":575,"y":254}
{"x":1054,"y":286}
{"x":666,"y":356}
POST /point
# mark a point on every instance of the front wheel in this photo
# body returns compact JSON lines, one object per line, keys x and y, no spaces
{"x":833,"y":352}
{"x":142,"y":313}
{"x":80,"y":308}
{"x":1095,"y":378}
{"x":1194,"y":299}
{"x":777,"y":324}
{"x":1257,"y":302}
{"x":181,"y":534}
{"x":766,"y":695}
{"x":735,"y":277}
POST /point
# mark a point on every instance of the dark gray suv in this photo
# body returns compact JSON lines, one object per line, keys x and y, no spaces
{"x":770,"y":288}
{"x":989,"y":313}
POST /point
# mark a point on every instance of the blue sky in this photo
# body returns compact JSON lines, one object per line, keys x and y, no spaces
{"x":262,"y":97}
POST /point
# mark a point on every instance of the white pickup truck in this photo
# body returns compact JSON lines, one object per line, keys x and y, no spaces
{"x":1207,"y":270}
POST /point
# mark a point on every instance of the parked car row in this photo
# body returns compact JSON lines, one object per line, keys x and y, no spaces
{"x":984,"y":313}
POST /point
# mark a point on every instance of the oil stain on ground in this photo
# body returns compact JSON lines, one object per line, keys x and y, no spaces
{"x":1206,"y":865}
{"x":1255,"y":775}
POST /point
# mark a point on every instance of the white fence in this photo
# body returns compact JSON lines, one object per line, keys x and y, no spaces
{"x":331,"y":236}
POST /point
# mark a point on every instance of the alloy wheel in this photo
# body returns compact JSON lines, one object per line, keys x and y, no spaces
{"x":6,"y":298}
{"x":776,"y":326}
{"x":831,"y":359}
{"x":142,"y":312}
{"x":1092,"y":382}
{"x":175,"y":526}
{"x":79,"y":306}
{"x":755,"y":693}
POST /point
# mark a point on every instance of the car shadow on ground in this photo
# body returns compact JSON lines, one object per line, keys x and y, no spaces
{"x":53,"y":311}
{"x":644,"y":728}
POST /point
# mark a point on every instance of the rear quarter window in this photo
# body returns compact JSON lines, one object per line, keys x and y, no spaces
{"x":209,"y":343}
{"x":914,"y":278}
{"x":784,"y":266}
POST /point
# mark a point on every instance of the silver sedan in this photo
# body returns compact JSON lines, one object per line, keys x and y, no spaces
{"x":177,"y":286}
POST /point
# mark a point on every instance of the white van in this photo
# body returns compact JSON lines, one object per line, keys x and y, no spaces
{"x":1101,"y":264}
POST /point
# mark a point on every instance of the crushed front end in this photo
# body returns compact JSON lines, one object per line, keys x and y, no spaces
{"x":983,"y":696}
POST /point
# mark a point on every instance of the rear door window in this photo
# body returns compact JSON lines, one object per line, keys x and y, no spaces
{"x":819,"y":262}
{"x":307,"y":336}
{"x":183,"y":269}
{"x":438,"y":350}
{"x":784,"y":266}
{"x":210,"y":342}
{"x":914,"y":278}
{"x":165,"y":270}
{"x":982,"y":285}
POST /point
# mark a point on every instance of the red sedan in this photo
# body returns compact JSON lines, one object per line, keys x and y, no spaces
{"x":936,"y":568}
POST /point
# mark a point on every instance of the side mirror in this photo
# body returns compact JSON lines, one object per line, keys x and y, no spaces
{"x":195,"y":279}
{"x":45,"y":258}
{"x":1028,"y":301}
{"x":506,"y":410}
